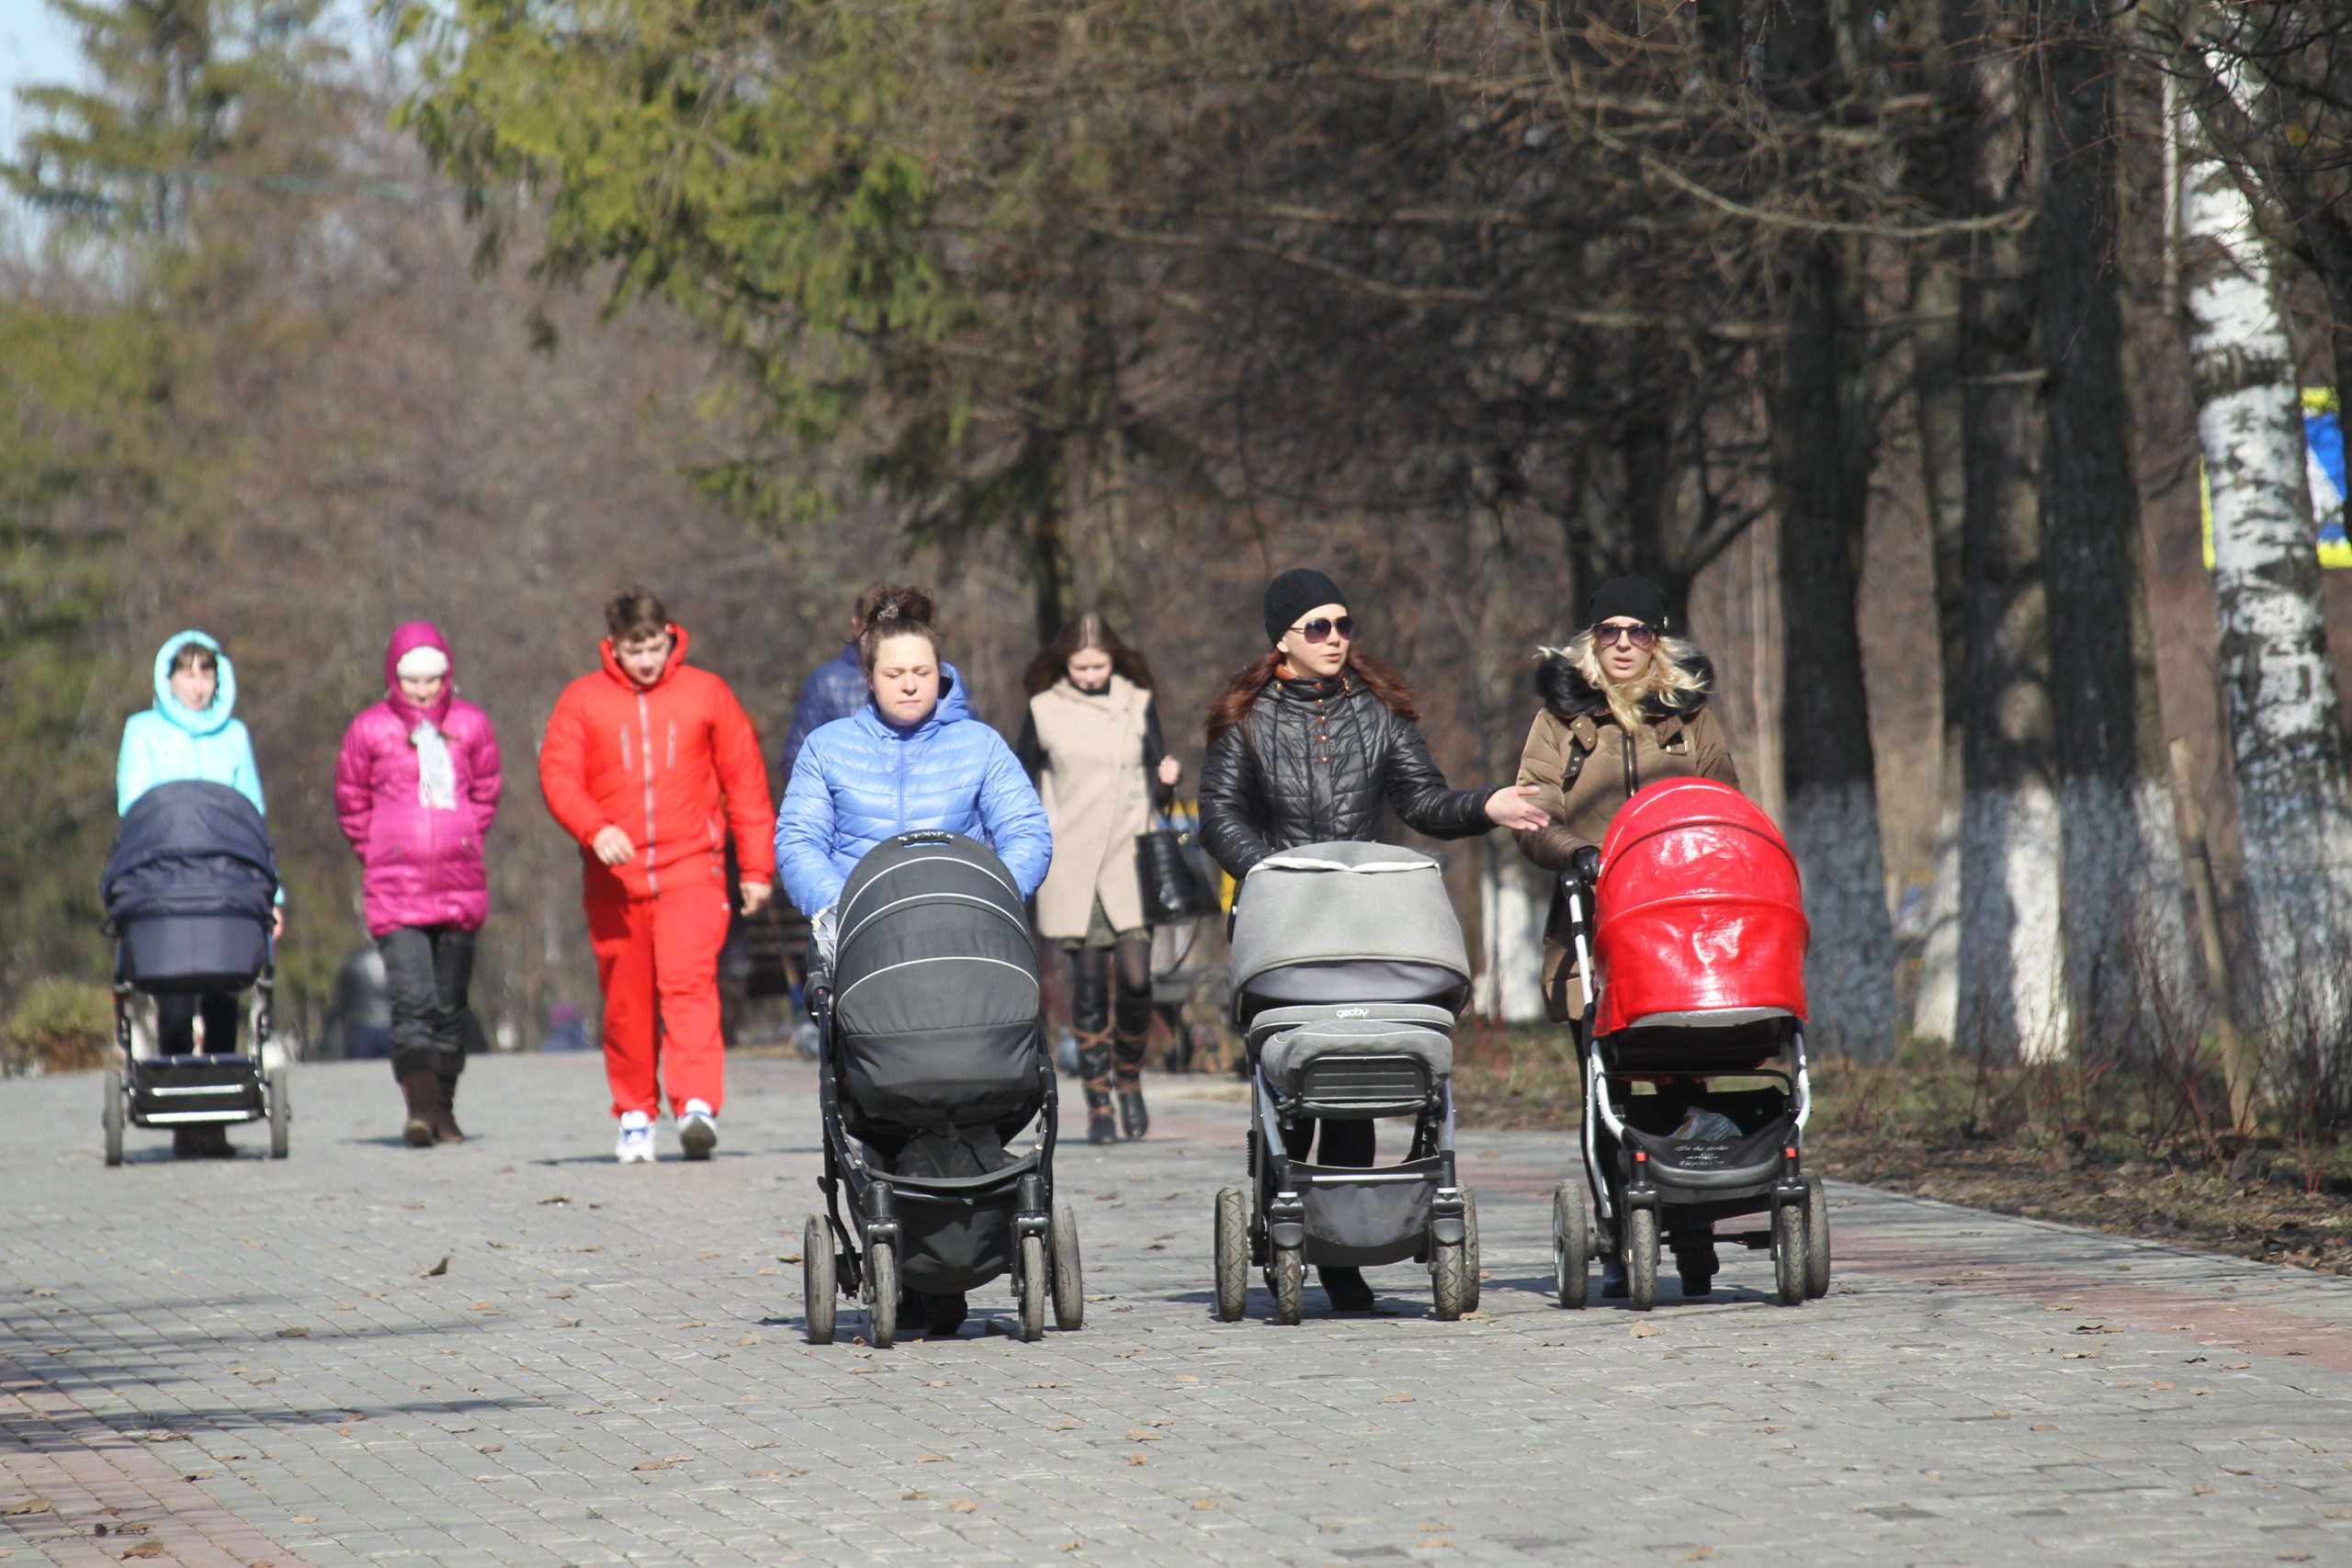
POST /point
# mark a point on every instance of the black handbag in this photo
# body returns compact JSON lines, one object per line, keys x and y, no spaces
{"x":1180,"y":883}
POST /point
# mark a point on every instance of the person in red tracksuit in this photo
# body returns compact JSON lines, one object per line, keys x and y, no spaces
{"x":649,"y":764}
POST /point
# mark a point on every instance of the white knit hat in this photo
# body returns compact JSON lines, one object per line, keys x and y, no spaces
{"x":422,"y":660}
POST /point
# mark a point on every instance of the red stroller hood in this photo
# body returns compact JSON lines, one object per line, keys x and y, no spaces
{"x":1699,"y":908}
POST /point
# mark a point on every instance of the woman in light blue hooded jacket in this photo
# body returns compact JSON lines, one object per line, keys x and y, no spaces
{"x":192,"y":733}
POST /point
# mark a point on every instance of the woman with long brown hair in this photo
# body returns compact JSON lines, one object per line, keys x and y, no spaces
{"x":1308,"y":745}
{"x":1092,"y":743}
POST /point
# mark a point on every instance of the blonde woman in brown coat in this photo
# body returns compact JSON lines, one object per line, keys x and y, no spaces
{"x":1091,"y":743}
{"x":1624,"y":706}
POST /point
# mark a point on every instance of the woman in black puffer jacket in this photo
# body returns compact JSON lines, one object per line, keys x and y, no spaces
{"x":1306,"y":746}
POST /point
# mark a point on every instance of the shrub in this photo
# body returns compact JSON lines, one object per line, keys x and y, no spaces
{"x":58,"y":1026}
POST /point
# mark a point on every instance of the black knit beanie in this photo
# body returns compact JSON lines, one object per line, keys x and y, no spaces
{"x":1293,"y":593}
{"x":1636,"y":596}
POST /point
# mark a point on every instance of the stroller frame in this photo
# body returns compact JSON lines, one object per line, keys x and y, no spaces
{"x":204,"y":1089}
{"x":1645,"y":1195}
{"x":859,"y":1256}
{"x":1418,"y":1205}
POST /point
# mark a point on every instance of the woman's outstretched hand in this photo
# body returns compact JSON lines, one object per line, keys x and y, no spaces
{"x":1171,"y":770}
{"x":1514,"y":806}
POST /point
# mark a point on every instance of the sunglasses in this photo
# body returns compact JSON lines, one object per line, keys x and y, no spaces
{"x":1606,"y":635}
{"x":1322,"y":630}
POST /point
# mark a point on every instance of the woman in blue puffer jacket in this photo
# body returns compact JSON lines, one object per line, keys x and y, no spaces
{"x":912,"y":759}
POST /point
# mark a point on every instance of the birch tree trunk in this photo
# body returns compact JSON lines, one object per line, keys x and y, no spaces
{"x":2126,"y":933}
{"x":2286,"y":728}
{"x":2012,"y":992}
{"x":1942,"y":421}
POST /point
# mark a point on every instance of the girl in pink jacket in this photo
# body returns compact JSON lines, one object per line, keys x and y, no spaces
{"x":416,"y":786}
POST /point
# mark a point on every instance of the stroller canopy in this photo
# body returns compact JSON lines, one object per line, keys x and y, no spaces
{"x":935,"y":993}
{"x":1347,"y":922}
{"x":191,"y":848}
{"x":1699,"y":908}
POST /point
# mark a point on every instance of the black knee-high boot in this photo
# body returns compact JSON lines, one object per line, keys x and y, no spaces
{"x":1090,"y":1005}
{"x":1131,"y":1028}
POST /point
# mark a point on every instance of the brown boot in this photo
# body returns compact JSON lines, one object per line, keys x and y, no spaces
{"x":1094,"y":1070}
{"x":444,"y":1127}
{"x":422,"y":1090}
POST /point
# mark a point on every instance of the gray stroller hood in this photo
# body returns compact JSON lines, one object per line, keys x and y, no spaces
{"x":935,"y":993}
{"x":1347,"y":922}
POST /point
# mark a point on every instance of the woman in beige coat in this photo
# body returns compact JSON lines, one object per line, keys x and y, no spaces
{"x":1091,"y":741}
{"x":1624,"y":706}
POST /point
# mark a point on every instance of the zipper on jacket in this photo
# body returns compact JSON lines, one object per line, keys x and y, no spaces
{"x":645,"y":727}
{"x":1632,"y":768}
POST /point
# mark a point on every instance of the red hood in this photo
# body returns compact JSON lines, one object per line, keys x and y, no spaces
{"x":409,"y":635}
{"x":677,"y":657}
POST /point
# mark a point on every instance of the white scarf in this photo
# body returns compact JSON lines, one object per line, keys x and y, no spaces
{"x":436,"y":777}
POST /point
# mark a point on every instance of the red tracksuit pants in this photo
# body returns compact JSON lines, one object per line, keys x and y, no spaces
{"x":657,"y":960}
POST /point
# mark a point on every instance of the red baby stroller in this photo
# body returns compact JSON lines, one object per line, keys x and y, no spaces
{"x":1693,"y":979}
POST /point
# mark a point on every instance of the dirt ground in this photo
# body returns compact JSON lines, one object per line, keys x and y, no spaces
{"x":2261,"y":1211}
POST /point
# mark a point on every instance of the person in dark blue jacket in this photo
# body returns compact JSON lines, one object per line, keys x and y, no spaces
{"x":911,"y":758}
{"x":836,"y":688}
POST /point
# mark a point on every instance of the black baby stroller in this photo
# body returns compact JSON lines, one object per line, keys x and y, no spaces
{"x":1348,"y":972}
{"x":931,"y":1058}
{"x":1700,"y":947}
{"x":188,"y":890}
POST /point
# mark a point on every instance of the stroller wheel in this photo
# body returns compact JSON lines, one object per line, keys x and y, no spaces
{"x":281,"y":1116}
{"x":1232,"y":1253}
{"x":111,"y":1116}
{"x":1469,"y":1250}
{"x":1446,"y":1287}
{"x":817,"y":1280}
{"x":1816,"y":1237}
{"x":1641,"y":1259}
{"x":1069,"y":1279}
{"x":1030,"y":1278}
{"x":1286,"y":1277}
{"x":1787,"y":1252}
{"x":1571,"y":1245}
{"x":881,"y":1295}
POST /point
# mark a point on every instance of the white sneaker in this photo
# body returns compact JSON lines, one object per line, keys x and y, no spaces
{"x":636,"y":1139}
{"x":697,"y":1130}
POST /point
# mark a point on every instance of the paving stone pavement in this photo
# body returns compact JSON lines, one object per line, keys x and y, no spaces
{"x":252,"y":1362}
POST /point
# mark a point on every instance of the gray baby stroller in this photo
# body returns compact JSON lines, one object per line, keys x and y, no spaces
{"x":1348,"y":972}
{"x":189,"y":889}
{"x":930,"y":1059}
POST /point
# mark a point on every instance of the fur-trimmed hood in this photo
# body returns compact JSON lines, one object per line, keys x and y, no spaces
{"x":1569,"y":696}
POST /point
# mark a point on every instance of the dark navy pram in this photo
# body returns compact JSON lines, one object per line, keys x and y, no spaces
{"x":931,"y":1060}
{"x":188,"y":890}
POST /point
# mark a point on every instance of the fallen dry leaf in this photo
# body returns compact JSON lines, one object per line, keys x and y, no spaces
{"x":963,"y":1506}
{"x":28,"y":1505}
{"x":1206,"y":1503}
{"x":1186,"y":1377}
{"x":1064,"y":1425}
{"x":295,"y":1333}
{"x":1137,"y":1434}
{"x":749,"y":1340}
{"x":1068,"y":1546}
{"x":912,"y":1496}
{"x":437,"y":1269}
{"x":1698,"y":1554}
{"x":1642,"y":1330}
{"x":145,"y":1549}
{"x":1138,"y":1456}
{"x":930,"y":1459}
{"x":1396,"y":1399}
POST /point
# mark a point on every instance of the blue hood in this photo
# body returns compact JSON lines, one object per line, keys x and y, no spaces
{"x":212,"y":719}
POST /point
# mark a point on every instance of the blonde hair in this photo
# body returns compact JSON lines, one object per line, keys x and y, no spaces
{"x":1671,"y":673}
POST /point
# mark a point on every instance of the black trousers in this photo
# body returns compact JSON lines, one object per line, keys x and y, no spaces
{"x":1344,"y":1143}
{"x":176,"y":1023}
{"x":426,"y":972}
